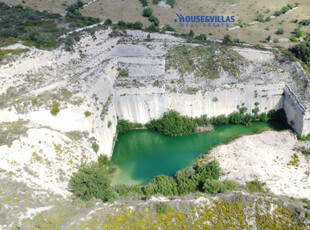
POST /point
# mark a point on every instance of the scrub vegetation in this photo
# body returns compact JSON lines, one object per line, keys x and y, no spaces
{"x":34,"y":27}
{"x":124,"y":126}
{"x":204,"y":61}
{"x":302,"y":52}
{"x":219,"y":214}
{"x":94,"y":180}
{"x":173,"y":124}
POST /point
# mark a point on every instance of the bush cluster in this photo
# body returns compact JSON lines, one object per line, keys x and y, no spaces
{"x":124,"y":126}
{"x":284,"y":10}
{"x":93,"y":180}
{"x":75,"y":7}
{"x":302,"y":52}
{"x":41,"y":29}
{"x":147,"y":12}
{"x":191,"y":179}
{"x":171,"y":2}
{"x":130,"y":25}
{"x":173,"y":124}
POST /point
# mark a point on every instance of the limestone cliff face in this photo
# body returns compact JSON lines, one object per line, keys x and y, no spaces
{"x":148,"y":105}
{"x":144,"y":107}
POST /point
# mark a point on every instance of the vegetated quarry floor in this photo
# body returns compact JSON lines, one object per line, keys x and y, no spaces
{"x":39,"y":151}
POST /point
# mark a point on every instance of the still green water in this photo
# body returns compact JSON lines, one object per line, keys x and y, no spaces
{"x":143,"y":154}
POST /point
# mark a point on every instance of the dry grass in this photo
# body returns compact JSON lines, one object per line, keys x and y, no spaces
{"x":125,"y":10}
{"x":247,"y":11}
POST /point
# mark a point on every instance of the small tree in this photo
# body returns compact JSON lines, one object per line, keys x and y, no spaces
{"x":260,"y":18}
{"x":147,"y":12}
{"x":154,"y":20}
{"x":71,"y":8}
{"x":191,"y":33}
{"x":121,"y":24}
{"x":91,"y":181}
{"x":280,"y":31}
{"x":108,"y":21}
{"x":171,"y":2}
{"x":144,"y":3}
{"x":95,"y":147}
{"x":302,"y":52}
{"x":227,"y":40}
{"x":55,"y":108}
{"x":80,"y":4}
{"x":138,"y":25}
{"x":298,"y":32}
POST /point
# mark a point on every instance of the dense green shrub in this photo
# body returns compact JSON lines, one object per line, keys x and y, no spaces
{"x":186,"y":180}
{"x":154,"y":20}
{"x":171,"y":2}
{"x":263,"y":117}
{"x":285,"y":9}
{"x":221,"y":119}
{"x":298,"y":32}
{"x":77,"y":20}
{"x":227,"y":40}
{"x":280,"y":31}
{"x":162,"y":184}
{"x":137,"y":25}
{"x":125,"y":190}
{"x":74,"y":7}
{"x":147,"y":12}
{"x":95,"y":147}
{"x":247,"y":119}
{"x":202,"y":120}
{"x":260,"y":18}
{"x":155,"y":2}
{"x":302,"y":52}
{"x":108,"y":21}
{"x":87,"y":113}
{"x":92,"y":180}
{"x":208,"y":172}
{"x":144,"y":3}
{"x":293,"y":39}
{"x":213,"y":186}
{"x":173,"y":124}
{"x":121,"y":24}
{"x":235,"y":118}
{"x":55,"y":108}
{"x":124,"y":126}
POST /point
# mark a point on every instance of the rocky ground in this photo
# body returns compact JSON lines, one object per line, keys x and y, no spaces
{"x":271,"y":157}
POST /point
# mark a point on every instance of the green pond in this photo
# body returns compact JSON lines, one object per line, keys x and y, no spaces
{"x":143,"y":154}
